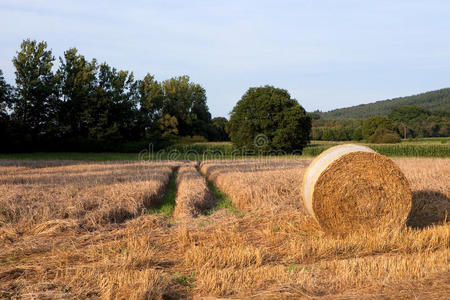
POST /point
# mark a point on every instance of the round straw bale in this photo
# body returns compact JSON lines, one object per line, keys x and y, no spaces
{"x":351,"y":188}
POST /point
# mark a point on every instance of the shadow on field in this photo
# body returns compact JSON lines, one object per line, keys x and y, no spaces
{"x":428,"y":208}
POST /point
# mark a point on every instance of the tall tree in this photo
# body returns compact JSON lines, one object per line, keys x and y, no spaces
{"x":186,"y":101}
{"x":6,"y":92}
{"x":112,"y":108}
{"x":37,"y":98}
{"x":151,"y":97}
{"x":411,"y":120}
{"x":199,"y":113}
{"x":78,"y":82}
{"x":6,"y":95}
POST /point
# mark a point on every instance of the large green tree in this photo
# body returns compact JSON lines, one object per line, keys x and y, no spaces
{"x":379,"y":130}
{"x":267,"y":118}
{"x":413,"y":120}
{"x":150,"y":98}
{"x":37,"y":98}
{"x":112,"y":109}
{"x":186,"y":101}
{"x":370,"y":125}
{"x":6,"y":93}
{"x":99,"y":102}
{"x":408,"y":112}
{"x":78,"y":82}
{"x":6,"y":96}
{"x":219,"y":129}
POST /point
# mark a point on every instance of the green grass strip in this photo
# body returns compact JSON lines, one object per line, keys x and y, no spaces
{"x":167,"y":203}
{"x":222,"y":200}
{"x":86,"y":156}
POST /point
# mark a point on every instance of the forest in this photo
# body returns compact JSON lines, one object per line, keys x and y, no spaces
{"x":424,"y":115}
{"x":433,"y":101}
{"x":90,"y":106}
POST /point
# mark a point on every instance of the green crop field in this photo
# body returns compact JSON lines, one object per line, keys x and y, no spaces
{"x":429,"y":147}
{"x":425,"y":147}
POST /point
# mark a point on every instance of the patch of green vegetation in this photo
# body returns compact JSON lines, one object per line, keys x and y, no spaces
{"x":167,"y":203}
{"x":424,"y":148}
{"x":186,"y":280}
{"x":222,"y":201}
{"x":8,"y":259}
{"x":420,"y":150}
{"x":86,"y":156}
{"x":292,"y":268}
{"x":429,"y":140}
{"x":314,"y":150}
{"x":203,"y":223}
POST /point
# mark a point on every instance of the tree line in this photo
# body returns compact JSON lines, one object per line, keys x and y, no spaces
{"x":82,"y":105}
{"x":407,"y":121}
{"x":90,"y":106}
{"x":433,"y":101}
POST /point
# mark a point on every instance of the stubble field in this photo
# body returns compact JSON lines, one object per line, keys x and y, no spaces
{"x":233,"y":229}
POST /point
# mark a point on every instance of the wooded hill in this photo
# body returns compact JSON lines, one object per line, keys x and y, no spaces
{"x":438,"y":100}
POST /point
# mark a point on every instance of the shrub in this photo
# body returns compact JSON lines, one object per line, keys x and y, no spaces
{"x":372,"y":124}
{"x":191,"y":139}
{"x":384,"y":136}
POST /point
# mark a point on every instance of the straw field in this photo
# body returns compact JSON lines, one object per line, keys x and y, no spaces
{"x":193,"y":196}
{"x":85,"y":230}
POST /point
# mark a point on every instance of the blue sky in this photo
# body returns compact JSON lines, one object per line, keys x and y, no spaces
{"x":327,"y":54}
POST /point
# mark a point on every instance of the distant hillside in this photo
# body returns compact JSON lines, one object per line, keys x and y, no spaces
{"x":434,"y":100}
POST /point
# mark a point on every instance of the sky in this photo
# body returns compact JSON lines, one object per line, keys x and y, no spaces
{"x":327,"y":54}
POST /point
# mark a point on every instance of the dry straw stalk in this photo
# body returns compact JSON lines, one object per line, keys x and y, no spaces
{"x":193,"y":195}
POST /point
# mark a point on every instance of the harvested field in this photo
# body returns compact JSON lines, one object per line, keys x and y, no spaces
{"x":259,"y":185}
{"x":271,"y":250}
{"x":37,"y":197}
{"x":193,"y":195}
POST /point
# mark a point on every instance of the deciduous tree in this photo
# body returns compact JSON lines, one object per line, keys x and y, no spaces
{"x":267,"y":118}
{"x":37,"y":100}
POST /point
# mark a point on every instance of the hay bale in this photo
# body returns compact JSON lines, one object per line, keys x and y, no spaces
{"x":351,"y":188}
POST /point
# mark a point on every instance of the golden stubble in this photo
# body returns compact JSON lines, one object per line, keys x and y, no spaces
{"x":63,"y":244}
